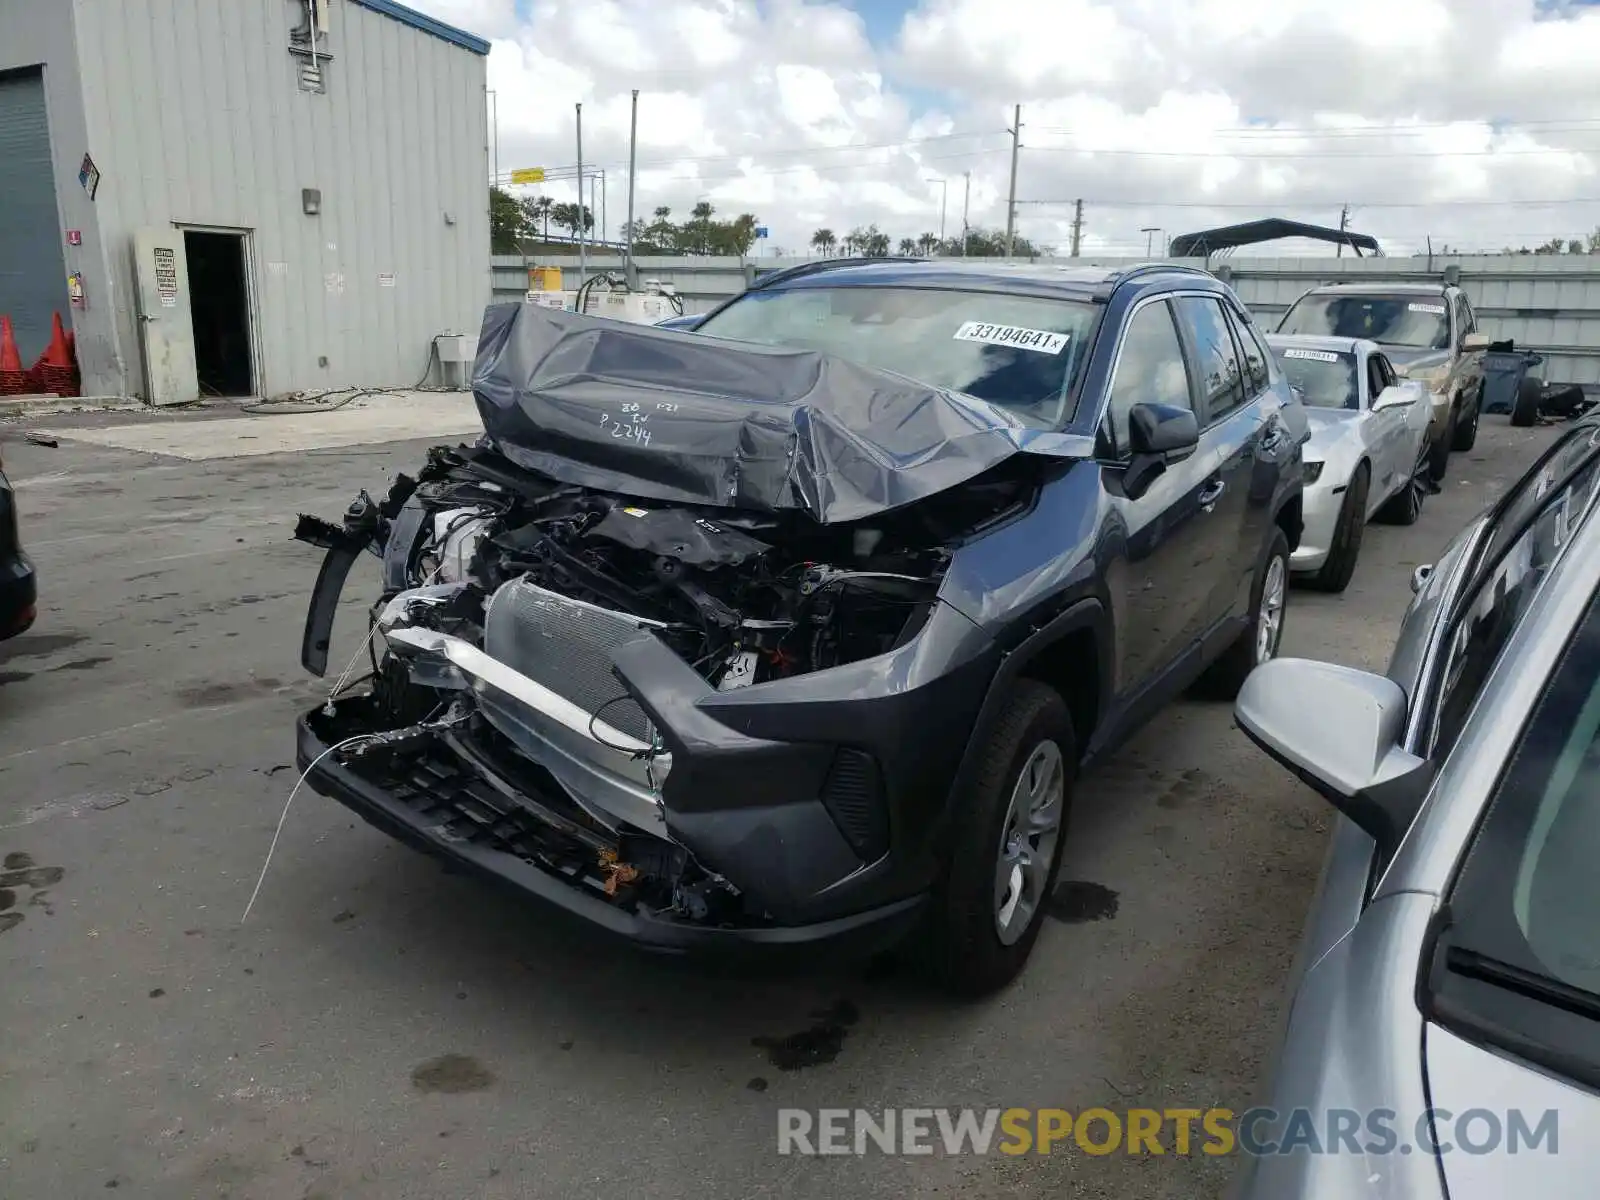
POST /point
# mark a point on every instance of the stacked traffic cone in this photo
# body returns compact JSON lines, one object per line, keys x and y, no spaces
{"x":13,"y":379}
{"x":54,"y":370}
{"x":72,"y":353}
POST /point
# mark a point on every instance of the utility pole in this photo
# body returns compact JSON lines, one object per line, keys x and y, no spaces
{"x":1011,"y":197}
{"x":1344,"y":219}
{"x":944,"y":194}
{"x":1077,"y":227}
{"x":1148,"y":231}
{"x":583,"y":260}
{"x":966,"y":197}
{"x":633,"y":145}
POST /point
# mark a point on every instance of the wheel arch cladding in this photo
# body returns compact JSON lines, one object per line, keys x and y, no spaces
{"x":1290,"y":518}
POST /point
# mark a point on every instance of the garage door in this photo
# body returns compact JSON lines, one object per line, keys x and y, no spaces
{"x":33,"y":275}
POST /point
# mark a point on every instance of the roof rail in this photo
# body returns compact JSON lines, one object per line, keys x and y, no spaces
{"x":813,"y":268}
{"x":1117,"y":278}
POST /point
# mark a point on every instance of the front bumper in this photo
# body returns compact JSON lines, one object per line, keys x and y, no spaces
{"x":433,"y":799}
{"x":1319,"y":510}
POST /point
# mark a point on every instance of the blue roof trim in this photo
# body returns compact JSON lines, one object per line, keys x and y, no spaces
{"x":411,"y":17}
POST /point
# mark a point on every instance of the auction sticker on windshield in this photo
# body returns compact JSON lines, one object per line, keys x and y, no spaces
{"x":1041,"y":341}
{"x":1312,"y":355}
{"x":1436,"y":309}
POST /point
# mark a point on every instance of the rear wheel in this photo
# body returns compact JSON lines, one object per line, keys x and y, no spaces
{"x":1261,"y":637}
{"x":1347,"y":534}
{"x":1006,"y":840}
{"x":1405,"y":506}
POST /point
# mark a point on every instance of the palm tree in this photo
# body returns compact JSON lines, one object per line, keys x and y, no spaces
{"x":823,"y":240}
{"x":926,"y":242}
{"x":907,"y":247}
{"x":700,"y":217}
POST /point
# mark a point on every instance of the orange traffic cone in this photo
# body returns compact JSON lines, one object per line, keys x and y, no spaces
{"x":54,"y":368}
{"x":13,"y":379}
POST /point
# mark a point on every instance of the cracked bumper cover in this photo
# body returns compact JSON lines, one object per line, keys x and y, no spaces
{"x":747,"y":785}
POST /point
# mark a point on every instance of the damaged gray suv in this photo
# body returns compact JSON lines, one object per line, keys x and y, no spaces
{"x":794,"y":631}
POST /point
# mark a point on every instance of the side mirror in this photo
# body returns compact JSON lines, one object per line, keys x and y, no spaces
{"x":1475,"y":341}
{"x":1394,"y":396}
{"x":1159,"y":435}
{"x":1339,"y":730}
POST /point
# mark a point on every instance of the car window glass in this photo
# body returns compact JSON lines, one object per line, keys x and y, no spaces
{"x":1375,"y":384}
{"x":1417,"y":320}
{"x":1217,"y":362}
{"x":1255,"y":355}
{"x":1385,"y":371}
{"x":1517,"y":559}
{"x":1150,"y":370}
{"x":1324,"y":378}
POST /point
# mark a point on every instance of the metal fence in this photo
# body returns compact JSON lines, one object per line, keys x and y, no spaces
{"x":1546,"y":303}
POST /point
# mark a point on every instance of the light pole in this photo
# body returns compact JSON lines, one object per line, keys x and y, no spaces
{"x":966,"y":199}
{"x":944,"y":193}
{"x":1147,"y":231}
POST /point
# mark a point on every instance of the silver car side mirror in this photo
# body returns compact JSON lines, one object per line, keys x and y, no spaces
{"x":1339,"y":730}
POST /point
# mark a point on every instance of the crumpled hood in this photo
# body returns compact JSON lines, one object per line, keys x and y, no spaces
{"x":652,"y":413}
{"x":1409,"y":362}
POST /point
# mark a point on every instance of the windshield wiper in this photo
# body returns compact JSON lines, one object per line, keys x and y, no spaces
{"x":1525,"y":982}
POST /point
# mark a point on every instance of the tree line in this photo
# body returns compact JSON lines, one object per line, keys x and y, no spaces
{"x":512,"y":220}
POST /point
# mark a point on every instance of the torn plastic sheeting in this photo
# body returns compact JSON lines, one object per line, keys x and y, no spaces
{"x":634,"y":410}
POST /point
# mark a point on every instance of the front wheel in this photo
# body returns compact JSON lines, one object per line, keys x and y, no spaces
{"x":1467,"y":424}
{"x":1259,"y":641}
{"x":1348,"y":531}
{"x":1439,"y":461}
{"x":1405,"y":506}
{"x":1007,"y":838}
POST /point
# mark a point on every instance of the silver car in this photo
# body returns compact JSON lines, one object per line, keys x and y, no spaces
{"x":1368,"y":452}
{"x":1443,"y":1034}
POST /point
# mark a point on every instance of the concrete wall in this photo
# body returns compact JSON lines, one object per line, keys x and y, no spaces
{"x":1548,"y":303}
{"x":42,"y":33}
{"x":194,"y":116}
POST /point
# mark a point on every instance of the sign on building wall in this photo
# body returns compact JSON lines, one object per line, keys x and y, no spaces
{"x":89,"y":176}
{"x":166,"y":276}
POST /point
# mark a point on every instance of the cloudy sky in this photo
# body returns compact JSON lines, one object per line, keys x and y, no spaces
{"x":1475,"y":122}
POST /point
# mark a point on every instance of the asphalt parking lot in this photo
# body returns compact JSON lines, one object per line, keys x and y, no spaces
{"x":379,"y":1028}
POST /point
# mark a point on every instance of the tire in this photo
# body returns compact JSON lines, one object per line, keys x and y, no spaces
{"x":1467,"y":430}
{"x":965,"y":944}
{"x":1439,"y":460}
{"x":1525,"y":411}
{"x":1336,"y":572}
{"x":1226,"y":676}
{"x":1405,"y":506}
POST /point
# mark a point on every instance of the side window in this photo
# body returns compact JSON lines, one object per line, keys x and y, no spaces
{"x":1150,"y":370}
{"x":1375,"y":383}
{"x":1463,"y":319}
{"x":1386,"y":370}
{"x":1216,"y":361}
{"x":1522,"y":558}
{"x":1472,"y":318}
{"x":1256,"y":377}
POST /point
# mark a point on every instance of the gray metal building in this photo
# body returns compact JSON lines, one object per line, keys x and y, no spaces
{"x":240,"y":197}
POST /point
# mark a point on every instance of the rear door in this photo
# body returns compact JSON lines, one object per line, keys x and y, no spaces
{"x":1229,"y":538}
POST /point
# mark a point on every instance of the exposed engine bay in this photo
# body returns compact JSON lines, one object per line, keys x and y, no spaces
{"x":508,"y":593}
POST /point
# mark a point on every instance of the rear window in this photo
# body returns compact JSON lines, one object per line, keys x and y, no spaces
{"x":1325,"y":378}
{"x":1021,"y":352}
{"x":1418,"y":321}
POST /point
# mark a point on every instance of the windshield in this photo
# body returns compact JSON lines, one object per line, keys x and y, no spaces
{"x":1418,"y":322}
{"x":1022,"y":352}
{"x":1326,"y":379}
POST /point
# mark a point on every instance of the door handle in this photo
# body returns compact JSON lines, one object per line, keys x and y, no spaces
{"x":1212,"y":493}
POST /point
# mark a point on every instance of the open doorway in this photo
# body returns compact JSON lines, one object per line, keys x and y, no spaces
{"x":219,"y":292}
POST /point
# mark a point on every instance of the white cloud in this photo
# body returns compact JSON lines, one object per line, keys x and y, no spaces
{"x":1424,"y":115}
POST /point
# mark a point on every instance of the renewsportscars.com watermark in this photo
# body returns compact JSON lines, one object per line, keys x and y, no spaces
{"x":1158,"y":1131}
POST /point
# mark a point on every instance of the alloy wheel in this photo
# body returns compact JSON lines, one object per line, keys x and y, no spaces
{"x":1269,"y":617}
{"x":1028,"y":841}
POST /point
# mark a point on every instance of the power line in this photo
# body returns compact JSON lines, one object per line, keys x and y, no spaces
{"x":1290,"y":155}
{"x":1278,"y":202}
{"x":1407,"y":129}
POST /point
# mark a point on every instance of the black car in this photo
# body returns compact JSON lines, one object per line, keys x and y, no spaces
{"x":794,"y":632}
{"x":18,"y":593}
